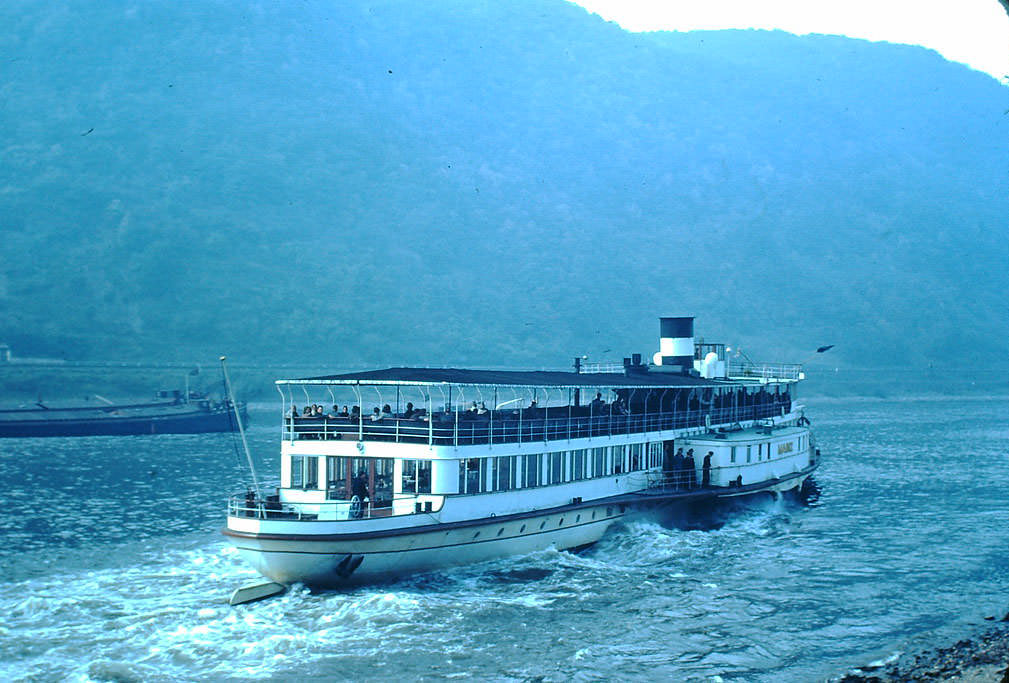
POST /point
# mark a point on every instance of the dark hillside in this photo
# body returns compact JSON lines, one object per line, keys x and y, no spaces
{"x":489,"y":183}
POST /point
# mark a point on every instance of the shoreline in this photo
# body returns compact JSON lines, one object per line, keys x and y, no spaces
{"x":981,"y":657}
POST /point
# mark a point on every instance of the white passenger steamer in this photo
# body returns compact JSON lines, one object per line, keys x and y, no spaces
{"x":470,"y":465}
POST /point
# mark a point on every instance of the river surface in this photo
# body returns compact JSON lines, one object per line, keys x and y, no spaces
{"x":114,"y":569}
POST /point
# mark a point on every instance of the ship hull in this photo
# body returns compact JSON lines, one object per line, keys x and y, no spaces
{"x":192,"y":422}
{"x":329,"y":562}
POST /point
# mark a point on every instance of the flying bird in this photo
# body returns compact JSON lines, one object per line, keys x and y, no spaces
{"x":89,"y":130}
{"x":828,"y":347}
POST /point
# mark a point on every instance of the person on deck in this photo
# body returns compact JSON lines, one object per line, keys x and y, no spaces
{"x":691,"y":469}
{"x":376,"y":415}
{"x":598,"y":405}
{"x":706,"y":470}
{"x":408,"y":413}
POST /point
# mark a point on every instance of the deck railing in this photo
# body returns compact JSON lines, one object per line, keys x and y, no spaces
{"x":459,"y":429}
{"x":247,"y":505}
{"x":768,"y":371}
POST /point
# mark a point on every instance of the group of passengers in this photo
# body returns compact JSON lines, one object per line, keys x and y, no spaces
{"x":476,"y":410}
{"x":681,"y":470}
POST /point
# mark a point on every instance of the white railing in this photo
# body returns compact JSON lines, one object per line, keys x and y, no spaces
{"x":768,"y":371}
{"x":609,"y":367}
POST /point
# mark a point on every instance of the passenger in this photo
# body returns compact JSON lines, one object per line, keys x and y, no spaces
{"x":355,"y":413}
{"x":598,"y":405}
{"x":706,"y":470}
{"x":690,"y":467}
{"x":376,"y":415}
{"x":473,"y":408}
{"x":318,"y":409}
{"x":386,"y":410}
{"x":618,"y":406}
{"x":482,"y":410}
{"x":294,"y":411}
{"x":678,"y":479}
{"x":335,"y":413}
{"x":307,"y":411}
{"x":408,"y":413}
{"x":344,"y":412}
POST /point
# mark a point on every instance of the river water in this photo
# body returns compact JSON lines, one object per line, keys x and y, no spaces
{"x":115,"y":569}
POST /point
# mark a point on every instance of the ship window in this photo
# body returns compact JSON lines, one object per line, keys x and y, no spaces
{"x":655,"y":454}
{"x":635,"y":457}
{"x":297,"y":471}
{"x":471,"y":476}
{"x":556,"y":467}
{"x":760,"y":450}
{"x":578,"y":464}
{"x":383,"y":482}
{"x":543,"y":524}
{"x":560,"y":522}
{"x":578,"y":518}
{"x":599,"y":462}
{"x":523,"y":529}
{"x":531,"y":471}
{"x":732,"y":454}
{"x":423,"y":476}
{"x":409,"y":478}
{"x":336,"y":478}
{"x":504,"y":470}
{"x":749,"y":449}
{"x":500,"y":531}
{"x":618,"y":458}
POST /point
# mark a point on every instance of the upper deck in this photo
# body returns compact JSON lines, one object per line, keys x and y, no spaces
{"x":468,"y":407}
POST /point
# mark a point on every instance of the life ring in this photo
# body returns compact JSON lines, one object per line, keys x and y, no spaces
{"x":355,"y":507}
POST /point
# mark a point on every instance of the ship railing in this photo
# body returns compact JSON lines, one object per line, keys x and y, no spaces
{"x":246,"y":505}
{"x":610,"y":367}
{"x":766,"y":371}
{"x":457,"y":429}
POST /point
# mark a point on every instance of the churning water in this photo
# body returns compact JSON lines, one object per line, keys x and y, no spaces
{"x":114,"y":569}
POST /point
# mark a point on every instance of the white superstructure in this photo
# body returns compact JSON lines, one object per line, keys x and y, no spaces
{"x":458,"y":466}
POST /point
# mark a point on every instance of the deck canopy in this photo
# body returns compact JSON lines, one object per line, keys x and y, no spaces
{"x":511,"y":378}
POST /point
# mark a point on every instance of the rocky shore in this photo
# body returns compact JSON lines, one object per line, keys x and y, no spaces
{"x":983,"y":658}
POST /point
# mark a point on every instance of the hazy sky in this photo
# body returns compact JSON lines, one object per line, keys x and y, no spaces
{"x":974,"y":32}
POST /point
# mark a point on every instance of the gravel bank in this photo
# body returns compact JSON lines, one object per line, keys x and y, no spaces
{"x":982,"y":658}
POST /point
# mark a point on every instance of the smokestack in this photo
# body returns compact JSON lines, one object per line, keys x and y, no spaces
{"x":676,"y":343}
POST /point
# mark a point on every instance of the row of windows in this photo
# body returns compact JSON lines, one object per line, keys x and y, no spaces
{"x":764,"y":450}
{"x":482,"y":475}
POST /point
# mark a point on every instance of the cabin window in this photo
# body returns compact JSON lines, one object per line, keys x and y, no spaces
{"x":304,"y":472}
{"x":423,"y":476}
{"x":383,"y":482}
{"x":504,"y":469}
{"x":599,"y":462}
{"x":732,"y":454}
{"x":618,"y":458}
{"x":760,"y":450}
{"x":336,"y":478}
{"x":409,"y":478}
{"x":556,"y":467}
{"x":578,"y":464}
{"x":635,"y":457}
{"x":471,"y":475}
{"x":655,"y":454}
{"x":749,"y":450}
{"x":531,"y":471}
{"x":416,"y":476}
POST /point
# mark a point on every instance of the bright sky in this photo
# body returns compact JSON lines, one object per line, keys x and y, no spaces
{"x":974,"y":32}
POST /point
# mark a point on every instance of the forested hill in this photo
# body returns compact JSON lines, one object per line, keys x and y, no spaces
{"x":494,"y":183}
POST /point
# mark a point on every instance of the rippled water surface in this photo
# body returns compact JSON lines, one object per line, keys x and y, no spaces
{"x":115,"y":569}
